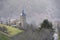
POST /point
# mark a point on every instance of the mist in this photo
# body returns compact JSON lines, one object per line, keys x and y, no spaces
{"x":35,"y":10}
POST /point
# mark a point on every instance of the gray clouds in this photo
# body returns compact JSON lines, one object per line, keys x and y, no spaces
{"x":36,"y":10}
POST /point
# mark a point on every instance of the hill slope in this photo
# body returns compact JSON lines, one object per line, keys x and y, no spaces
{"x":11,"y":30}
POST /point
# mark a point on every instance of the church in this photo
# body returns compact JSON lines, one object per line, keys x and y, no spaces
{"x":22,"y":22}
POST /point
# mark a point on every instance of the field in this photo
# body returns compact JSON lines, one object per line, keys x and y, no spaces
{"x":59,"y":38}
{"x":4,"y":37}
{"x":12,"y":30}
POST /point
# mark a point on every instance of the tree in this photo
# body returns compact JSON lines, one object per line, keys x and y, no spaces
{"x":46,"y":24}
{"x":1,"y":22}
{"x":6,"y":22}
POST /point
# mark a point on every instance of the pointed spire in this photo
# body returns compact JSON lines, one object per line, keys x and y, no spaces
{"x":23,"y":14}
{"x":22,"y":11}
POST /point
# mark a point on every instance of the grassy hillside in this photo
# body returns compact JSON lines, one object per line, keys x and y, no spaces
{"x":59,"y":38}
{"x":4,"y":37}
{"x":11,"y":30}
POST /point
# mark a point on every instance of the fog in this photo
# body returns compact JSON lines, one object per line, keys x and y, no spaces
{"x":35,"y":10}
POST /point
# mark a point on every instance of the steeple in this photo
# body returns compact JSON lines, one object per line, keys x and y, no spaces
{"x":22,"y":23}
{"x":23,"y":14}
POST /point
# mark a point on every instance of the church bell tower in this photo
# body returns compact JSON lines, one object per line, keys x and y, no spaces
{"x":23,"y":20}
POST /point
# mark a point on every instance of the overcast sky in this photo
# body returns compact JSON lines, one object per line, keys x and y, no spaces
{"x":35,"y":10}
